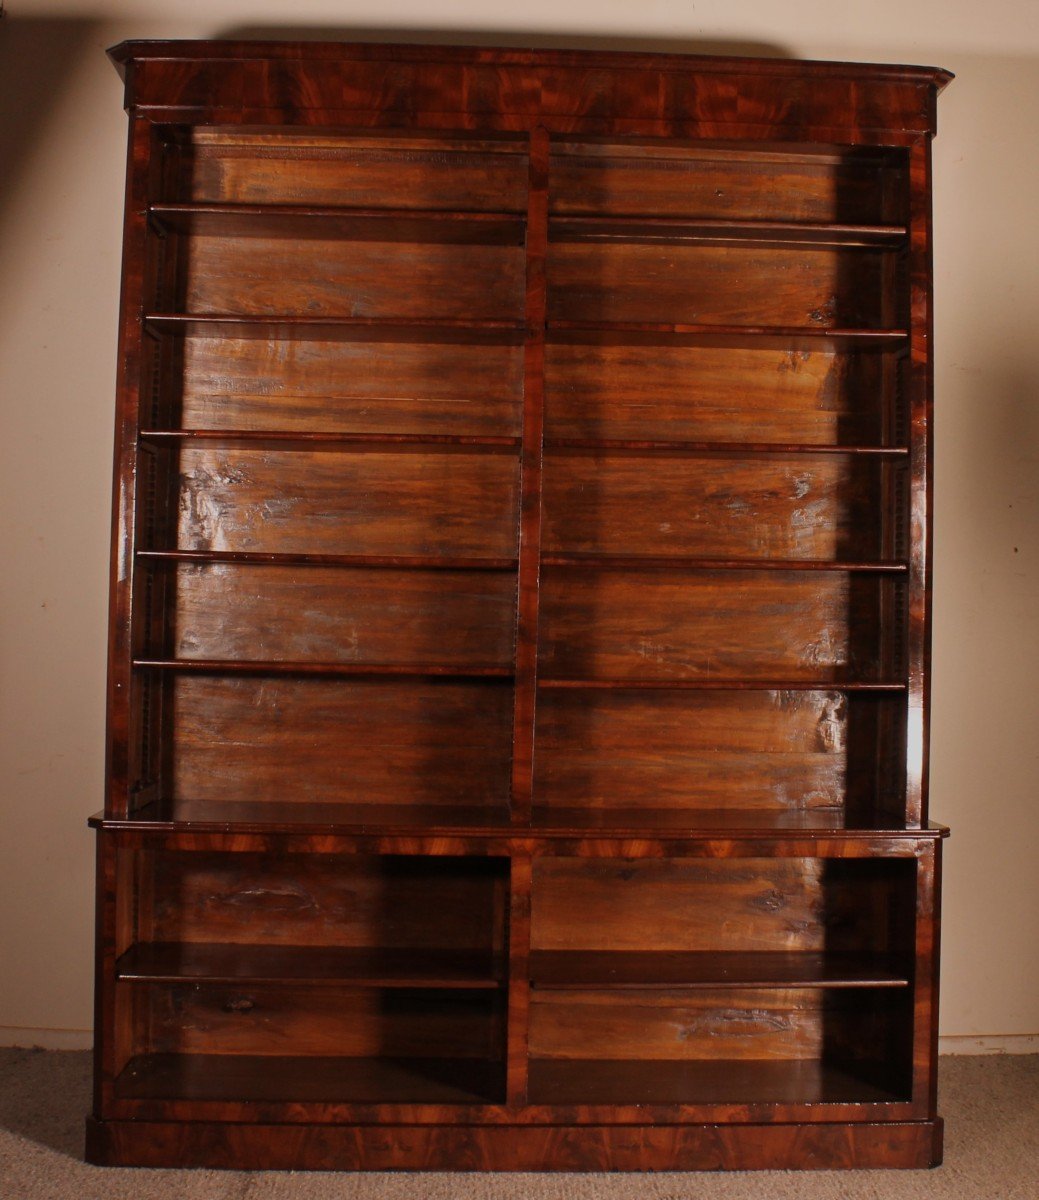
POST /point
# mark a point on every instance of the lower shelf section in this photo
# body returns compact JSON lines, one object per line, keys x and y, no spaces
{"x":906,"y":1144}
{"x":267,"y":1078}
{"x":715,"y":1081}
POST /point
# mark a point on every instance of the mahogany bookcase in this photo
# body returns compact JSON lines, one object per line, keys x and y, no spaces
{"x":520,"y":610}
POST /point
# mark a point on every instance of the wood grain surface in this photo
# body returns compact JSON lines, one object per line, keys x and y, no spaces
{"x":718,"y":394}
{"x":714,"y":750}
{"x":345,"y":386}
{"x":719,"y":505}
{"x":818,"y":627}
{"x":293,"y":502}
{"x":245,"y":739}
{"x":325,"y":614}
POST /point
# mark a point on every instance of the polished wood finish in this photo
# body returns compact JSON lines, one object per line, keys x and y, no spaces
{"x":519,"y":668}
{"x":744,"y":1147}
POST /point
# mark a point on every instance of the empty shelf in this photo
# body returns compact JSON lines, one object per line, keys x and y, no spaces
{"x":195,"y":962}
{"x":273,"y":1078}
{"x":590,"y":969}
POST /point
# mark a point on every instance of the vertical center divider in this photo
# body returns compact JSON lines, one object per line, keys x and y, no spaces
{"x":527,"y":610}
{"x":531,"y":454}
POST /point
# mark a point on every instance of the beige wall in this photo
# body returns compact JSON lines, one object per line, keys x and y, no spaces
{"x":61,"y":149}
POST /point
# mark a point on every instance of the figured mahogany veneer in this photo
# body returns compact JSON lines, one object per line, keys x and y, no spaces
{"x":520,"y":611}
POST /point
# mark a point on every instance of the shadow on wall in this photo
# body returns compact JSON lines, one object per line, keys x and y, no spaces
{"x":36,"y":60}
{"x":499,"y":38}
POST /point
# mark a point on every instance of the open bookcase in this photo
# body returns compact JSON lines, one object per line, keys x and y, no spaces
{"x":519,"y":653}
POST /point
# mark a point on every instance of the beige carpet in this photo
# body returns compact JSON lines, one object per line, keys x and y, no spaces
{"x":991,"y":1107}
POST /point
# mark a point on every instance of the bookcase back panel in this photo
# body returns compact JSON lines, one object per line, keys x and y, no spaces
{"x":247,"y":1081}
{"x":709,"y":284}
{"x":361,"y":742}
{"x":808,"y":506}
{"x":407,"y":902}
{"x":795,"y":1046}
{"x":737,"y":1081}
{"x":675,"y":1025}
{"x":327,"y":277}
{"x":358,"y":170}
{"x":315,"y":614}
{"x":719,"y":394}
{"x":350,"y":387}
{"x":305,"y":1021}
{"x":752,"y":183}
{"x":724,"y":905}
{"x":768,"y":750}
{"x":819,"y":626}
{"x":329,"y":503}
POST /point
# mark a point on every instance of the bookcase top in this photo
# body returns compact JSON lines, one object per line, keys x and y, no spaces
{"x":320,"y":51}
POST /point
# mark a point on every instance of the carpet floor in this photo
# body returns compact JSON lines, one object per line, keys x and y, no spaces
{"x":990,"y":1105}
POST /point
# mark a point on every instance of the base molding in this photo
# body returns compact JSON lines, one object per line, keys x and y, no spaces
{"x":905,"y":1144}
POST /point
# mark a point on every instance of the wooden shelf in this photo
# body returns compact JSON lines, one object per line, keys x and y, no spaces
{"x":678,"y":230}
{"x":220,"y":666}
{"x":374,"y":967}
{"x":292,"y":327}
{"x":361,"y":224}
{"x":806,"y":338}
{"x":301,"y":816}
{"x":648,"y":562}
{"x":391,"y":443}
{"x":256,"y":558}
{"x":768,"y":685}
{"x":711,"y":1081}
{"x":705,"y":822}
{"x":249,"y":1078}
{"x":677,"y":448}
{"x":575,"y":970}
